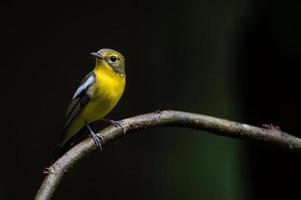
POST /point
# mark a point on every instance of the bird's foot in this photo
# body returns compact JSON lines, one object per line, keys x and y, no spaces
{"x":116,"y":123}
{"x":97,"y":139}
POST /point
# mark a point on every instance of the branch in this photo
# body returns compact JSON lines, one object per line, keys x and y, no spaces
{"x":160,"y":119}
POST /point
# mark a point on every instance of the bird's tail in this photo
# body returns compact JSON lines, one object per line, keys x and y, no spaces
{"x":61,"y":149}
{"x":56,"y":154}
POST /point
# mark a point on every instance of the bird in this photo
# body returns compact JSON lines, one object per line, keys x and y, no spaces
{"x":97,"y":94}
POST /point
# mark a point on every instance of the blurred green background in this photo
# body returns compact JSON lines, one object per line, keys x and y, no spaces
{"x":233,"y":59}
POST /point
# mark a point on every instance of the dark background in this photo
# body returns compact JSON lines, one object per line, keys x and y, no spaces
{"x":234,"y":59}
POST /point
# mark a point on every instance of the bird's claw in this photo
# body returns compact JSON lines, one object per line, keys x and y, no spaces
{"x":116,"y":124}
{"x":98,"y":140}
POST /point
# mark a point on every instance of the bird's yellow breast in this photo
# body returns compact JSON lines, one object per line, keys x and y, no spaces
{"x":105,"y":94}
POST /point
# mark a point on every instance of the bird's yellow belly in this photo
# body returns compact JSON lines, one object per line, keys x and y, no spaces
{"x":98,"y":108}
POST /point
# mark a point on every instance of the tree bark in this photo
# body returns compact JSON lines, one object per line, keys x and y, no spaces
{"x":268,"y":134}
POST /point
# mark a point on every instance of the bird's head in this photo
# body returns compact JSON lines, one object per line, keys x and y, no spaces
{"x":110,"y":58}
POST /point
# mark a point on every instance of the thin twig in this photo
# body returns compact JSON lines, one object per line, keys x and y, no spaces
{"x":163,"y":118}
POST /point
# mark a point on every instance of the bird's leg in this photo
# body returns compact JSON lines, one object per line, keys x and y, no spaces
{"x":115,"y":123}
{"x":96,"y":139}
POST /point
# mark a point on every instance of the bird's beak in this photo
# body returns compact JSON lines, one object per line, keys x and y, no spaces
{"x":97,"y":55}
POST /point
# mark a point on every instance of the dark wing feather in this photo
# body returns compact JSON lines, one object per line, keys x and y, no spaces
{"x":80,"y":99}
{"x":75,"y":108}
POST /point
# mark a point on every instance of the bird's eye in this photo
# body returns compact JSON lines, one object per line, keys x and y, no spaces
{"x":113,"y":58}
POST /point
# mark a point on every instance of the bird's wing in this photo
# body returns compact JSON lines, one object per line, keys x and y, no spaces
{"x":80,"y":99}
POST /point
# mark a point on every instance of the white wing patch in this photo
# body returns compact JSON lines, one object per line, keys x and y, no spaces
{"x":84,"y":86}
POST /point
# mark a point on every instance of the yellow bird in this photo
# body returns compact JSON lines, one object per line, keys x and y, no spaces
{"x":96,"y":96}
